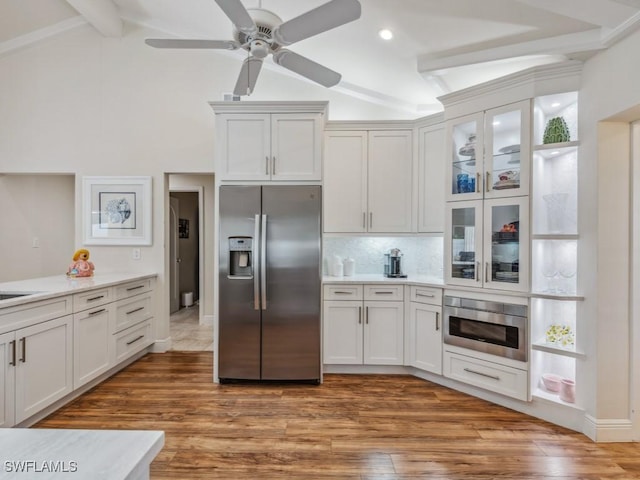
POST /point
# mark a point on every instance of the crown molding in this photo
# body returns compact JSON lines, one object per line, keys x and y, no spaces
{"x":270,"y":107}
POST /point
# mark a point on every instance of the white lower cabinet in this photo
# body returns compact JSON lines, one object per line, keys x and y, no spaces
{"x":7,"y":379}
{"x":424,"y":342}
{"x":363,"y":332}
{"x":44,"y":365}
{"x":92,"y":349}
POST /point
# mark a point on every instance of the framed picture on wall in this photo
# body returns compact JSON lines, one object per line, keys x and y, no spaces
{"x":183,"y":228}
{"x":116,"y":210}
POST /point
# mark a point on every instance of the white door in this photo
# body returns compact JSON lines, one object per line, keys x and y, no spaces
{"x":296,"y":148}
{"x":390,"y":170}
{"x":44,"y":371}
{"x":384,"y":333}
{"x":342,"y":332}
{"x":7,"y":379}
{"x":425,"y":337}
{"x":174,"y":248}
{"x":345,"y":182}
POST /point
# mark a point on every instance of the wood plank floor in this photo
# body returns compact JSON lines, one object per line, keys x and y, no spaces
{"x":351,"y":427}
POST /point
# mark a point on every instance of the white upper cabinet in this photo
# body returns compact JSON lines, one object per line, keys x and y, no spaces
{"x":367,"y":181}
{"x":488,"y":153}
{"x":431,"y":173}
{"x":265,"y":141}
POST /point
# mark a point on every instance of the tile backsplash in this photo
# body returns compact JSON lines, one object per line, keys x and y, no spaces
{"x":420,"y":255}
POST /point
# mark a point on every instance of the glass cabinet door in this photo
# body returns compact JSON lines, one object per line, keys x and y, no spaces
{"x":465,"y":238}
{"x":506,"y":252}
{"x":465,"y":147}
{"x":508,"y":141}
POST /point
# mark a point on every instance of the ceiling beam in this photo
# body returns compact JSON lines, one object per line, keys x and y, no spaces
{"x":102,"y":14}
{"x":602,"y":13}
{"x":560,"y":45}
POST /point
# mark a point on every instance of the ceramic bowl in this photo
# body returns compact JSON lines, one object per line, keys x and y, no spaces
{"x":551,"y":382}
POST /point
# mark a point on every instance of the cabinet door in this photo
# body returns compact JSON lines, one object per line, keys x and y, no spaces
{"x":464,"y":153}
{"x":345,"y":182}
{"x":44,"y":366}
{"x":342,"y":332}
{"x":7,"y":379}
{"x":508,"y":149}
{"x":296,"y":147}
{"x":506,"y":243}
{"x":463,"y":243}
{"x":390,"y":181}
{"x":244,"y":147}
{"x":425,"y":337}
{"x":384,"y":333}
{"x":92,"y":350}
{"x":431,"y":173}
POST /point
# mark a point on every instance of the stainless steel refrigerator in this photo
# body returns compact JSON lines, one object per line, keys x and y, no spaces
{"x":269,"y":283}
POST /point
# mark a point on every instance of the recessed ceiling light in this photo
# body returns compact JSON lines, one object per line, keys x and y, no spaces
{"x":496,"y":123}
{"x":385,"y":34}
{"x":555,"y":152}
{"x":555,"y":104}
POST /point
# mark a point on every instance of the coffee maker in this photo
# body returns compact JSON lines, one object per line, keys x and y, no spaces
{"x":393,"y":264}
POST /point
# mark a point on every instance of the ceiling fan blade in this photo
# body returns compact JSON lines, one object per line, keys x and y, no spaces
{"x":307,"y":68}
{"x":238,"y":15}
{"x":248,"y":76}
{"x":183,"y":43}
{"x":320,"y":19}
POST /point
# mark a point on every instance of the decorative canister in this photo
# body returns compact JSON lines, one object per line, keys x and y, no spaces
{"x":567,"y":390}
{"x":349,"y":267}
{"x":556,"y":131}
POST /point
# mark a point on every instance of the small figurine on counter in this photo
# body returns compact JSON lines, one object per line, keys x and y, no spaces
{"x":81,"y":266}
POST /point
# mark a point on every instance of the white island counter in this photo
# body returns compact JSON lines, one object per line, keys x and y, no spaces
{"x":61,"y":454}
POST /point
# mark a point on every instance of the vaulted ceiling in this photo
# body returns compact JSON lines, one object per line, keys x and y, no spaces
{"x":438,"y":46}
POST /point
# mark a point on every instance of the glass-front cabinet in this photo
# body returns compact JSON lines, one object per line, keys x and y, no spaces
{"x":488,"y":153}
{"x":488,"y":243}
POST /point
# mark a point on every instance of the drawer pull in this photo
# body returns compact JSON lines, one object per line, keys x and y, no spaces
{"x":384,"y":293}
{"x":429,"y":295}
{"x":12,"y":344}
{"x":93,"y":299}
{"x":494,"y":377}
{"x":338,"y":292}
{"x":135,"y":288}
{"x":437,"y":321}
{"x":135,"y":339}
{"x":359,"y":315}
{"x":98,"y":311}
{"x":135,"y":310}
{"x":366,"y":315}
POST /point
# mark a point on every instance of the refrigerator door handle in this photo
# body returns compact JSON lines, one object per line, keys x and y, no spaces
{"x":263,"y":262}
{"x":256,"y":281}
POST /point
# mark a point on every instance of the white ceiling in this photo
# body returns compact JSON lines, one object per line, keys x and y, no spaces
{"x":439,"y":45}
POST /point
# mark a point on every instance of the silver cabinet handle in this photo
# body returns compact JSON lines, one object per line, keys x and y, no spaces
{"x":135,"y":310}
{"x":340,"y":292}
{"x":359,"y":315}
{"x":93,"y":299}
{"x":266,"y":166}
{"x":364,"y":219}
{"x":135,"y":339}
{"x":263,"y":262}
{"x":273,"y":163}
{"x":12,"y":344}
{"x":488,"y":182}
{"x":437,"y":321}
{"x":477,"y":271}
{"x":478,"y":182}
{"x":97,"y":311}
{"x":256,"y":281}
{"x":383,"y":292}
{"x":366,"y":315}
{"x":428,"y":295}
{"x":134,"y":288}
{"x":494,"y":377}
{"x":23,"y":340}
{"x":486,"y":272}
{"x":370,"y":219}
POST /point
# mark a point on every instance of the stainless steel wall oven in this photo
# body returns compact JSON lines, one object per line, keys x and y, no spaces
{"x":490,"y":327}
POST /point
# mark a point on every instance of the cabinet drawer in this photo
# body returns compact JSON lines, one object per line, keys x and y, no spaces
{"x":127,"y":290}
{"x":132,"y":311}
{"x":93,"y":298}
{"x":12,"y":318}
{"x":490,"y":376}
{"x":132,"y":340}
{"x":432,"y":296}
{"x":343,"y":292}
{"x":384,"y":292}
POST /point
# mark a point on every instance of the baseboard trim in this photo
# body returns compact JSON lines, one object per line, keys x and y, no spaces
{"x":161,"y":346}
{"x":608,"y":430}
{"x":207,"y":320}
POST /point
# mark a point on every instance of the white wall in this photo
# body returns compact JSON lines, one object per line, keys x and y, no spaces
{"x":36,"y":208}
{"x":610,"y":89}
{"x":80,"y":103}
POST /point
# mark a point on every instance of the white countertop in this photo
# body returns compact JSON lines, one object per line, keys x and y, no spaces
{"x":94,"y":454}
{"x":423,"y":280}
{"x":48,"y":287}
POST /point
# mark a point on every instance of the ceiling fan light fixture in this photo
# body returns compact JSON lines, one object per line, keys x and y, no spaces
{"x":385,"y":34}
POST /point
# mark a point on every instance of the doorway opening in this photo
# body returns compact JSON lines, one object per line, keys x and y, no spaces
{"x":187,"y":327}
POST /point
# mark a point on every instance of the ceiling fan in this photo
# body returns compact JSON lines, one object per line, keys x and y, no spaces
{"x":261,"y":32}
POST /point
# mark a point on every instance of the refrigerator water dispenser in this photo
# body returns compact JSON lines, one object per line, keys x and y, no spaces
{"x":240,"y":258}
